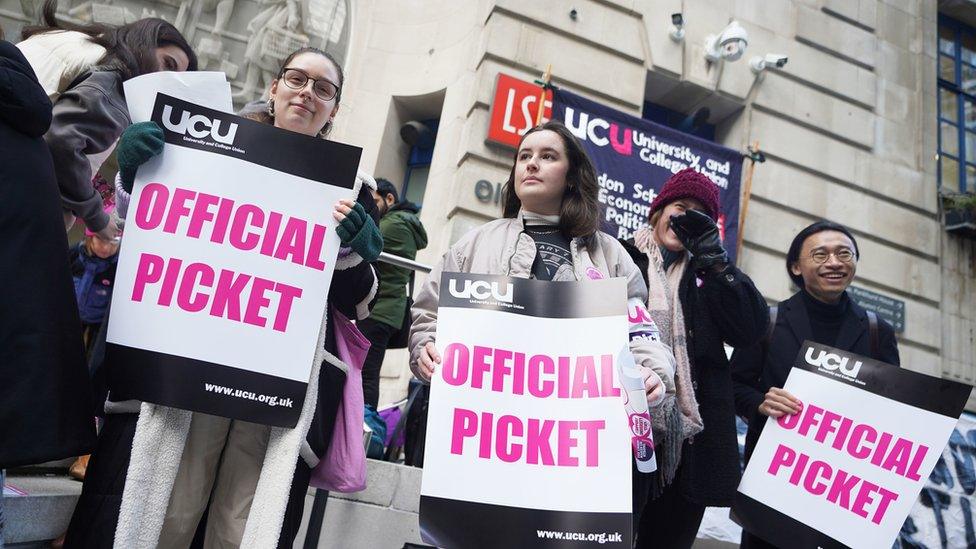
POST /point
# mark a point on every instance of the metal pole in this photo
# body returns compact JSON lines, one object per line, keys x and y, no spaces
{"x":404,"y":262}
{"x":315,"y":519}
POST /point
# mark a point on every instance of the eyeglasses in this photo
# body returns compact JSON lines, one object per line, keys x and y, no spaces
{"x":296,"y":79}
{"x":843,"y":255}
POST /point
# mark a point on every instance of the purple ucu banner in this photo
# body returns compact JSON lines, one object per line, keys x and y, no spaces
{"x":634,"y":157}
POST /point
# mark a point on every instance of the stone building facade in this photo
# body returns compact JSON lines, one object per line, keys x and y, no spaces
{"x":848,"y":126}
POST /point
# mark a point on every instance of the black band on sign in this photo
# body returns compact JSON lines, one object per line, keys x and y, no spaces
{"x":453,"y":524}
{"x":538,"y":298}
{"x":188,"y":125}
{"x":201,"y":386}
{"x":940,"y":396}
{"x":774,"y":527}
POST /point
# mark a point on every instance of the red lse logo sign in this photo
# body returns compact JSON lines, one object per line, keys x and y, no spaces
{"x":514,"y":108}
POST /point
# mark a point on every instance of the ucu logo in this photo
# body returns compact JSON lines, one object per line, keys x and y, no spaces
{"x":481,"y":290}
{"x":831,"y":361}
{"x":637,"y":314}
{"x":586,"y":129}
{"x":198,"y":126}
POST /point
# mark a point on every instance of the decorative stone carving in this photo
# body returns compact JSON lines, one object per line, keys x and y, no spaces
{"x":281,"y":28}
{"x":247,"y":39}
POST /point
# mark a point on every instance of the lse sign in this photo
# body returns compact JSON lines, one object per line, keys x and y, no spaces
{"x":514,"y":109}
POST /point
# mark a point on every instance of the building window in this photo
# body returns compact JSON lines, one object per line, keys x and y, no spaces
{"x":418,"y":164}
{"x":957,"y":106}
{"x":695,"y":123}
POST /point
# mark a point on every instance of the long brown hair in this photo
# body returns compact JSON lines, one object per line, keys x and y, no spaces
{"x":130,"y":49}
{"x":579,"y":214}
{"x":266,"y":118}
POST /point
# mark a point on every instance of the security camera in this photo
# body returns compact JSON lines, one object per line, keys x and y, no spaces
{"x":677,"y":31}
{"x":759,"y":64}
{"x":730,"y":44}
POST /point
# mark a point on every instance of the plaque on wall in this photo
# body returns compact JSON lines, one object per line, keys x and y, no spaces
{"x":890,"y":309}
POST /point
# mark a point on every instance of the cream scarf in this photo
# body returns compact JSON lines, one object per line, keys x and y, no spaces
{"x":664,"y":305}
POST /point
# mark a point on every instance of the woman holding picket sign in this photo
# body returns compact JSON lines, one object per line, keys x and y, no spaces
{"x":701,"y":301}
{"x":550,"y":203}
{"x":245,"y":474}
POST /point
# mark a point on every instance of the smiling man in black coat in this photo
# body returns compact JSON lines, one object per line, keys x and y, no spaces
{"x":822,"y":261}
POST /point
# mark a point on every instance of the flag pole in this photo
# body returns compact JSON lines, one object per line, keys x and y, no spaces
{"x":756,"y":157}
{"x":546,"y":78}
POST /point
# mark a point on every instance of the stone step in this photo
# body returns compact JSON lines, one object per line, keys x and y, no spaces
{"x":43,"y":513}
{"x":382,"y":515}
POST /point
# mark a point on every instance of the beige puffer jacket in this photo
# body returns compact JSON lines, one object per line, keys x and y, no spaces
{"x":502,"y":247}
{"x":59,"y":57}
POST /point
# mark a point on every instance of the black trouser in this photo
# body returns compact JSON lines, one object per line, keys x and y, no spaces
{"x":378,"y":334}
{"x":670,"y":520}
{"x":751,"y":541}
{"x":97,"y":512}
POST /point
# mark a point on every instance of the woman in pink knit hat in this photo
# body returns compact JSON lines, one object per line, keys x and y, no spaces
{"x":700,"y":301}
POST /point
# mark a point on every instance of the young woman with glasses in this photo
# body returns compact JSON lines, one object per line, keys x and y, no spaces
{"x":250,"y":480}
{"x":821,"y":261}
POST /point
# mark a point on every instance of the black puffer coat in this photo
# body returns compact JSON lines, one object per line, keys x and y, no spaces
{"x":45,"y":397}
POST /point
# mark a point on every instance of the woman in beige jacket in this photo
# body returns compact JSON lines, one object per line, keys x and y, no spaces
{"x":550,"y":231}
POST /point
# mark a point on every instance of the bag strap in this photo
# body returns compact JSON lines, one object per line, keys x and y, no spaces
{"x":773,"y":312}
{"x":873,"y":334}
{"x":402,"y":422}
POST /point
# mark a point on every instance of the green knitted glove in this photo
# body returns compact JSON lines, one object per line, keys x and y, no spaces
{"x":359,"y":232}
{"x":139,"y":143}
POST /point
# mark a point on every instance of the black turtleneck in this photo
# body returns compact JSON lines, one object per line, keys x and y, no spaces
{"x":825,"y":318}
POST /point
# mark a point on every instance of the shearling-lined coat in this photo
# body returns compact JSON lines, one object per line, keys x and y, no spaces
{"x":131,"y":473}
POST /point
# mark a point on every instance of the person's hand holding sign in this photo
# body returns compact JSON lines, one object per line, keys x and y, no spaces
{"x":779,"y":403}
{"x":425,"y":362}
{"x":140,"y":143}
{"x":653,"y":386}
{"x":357,"y":230}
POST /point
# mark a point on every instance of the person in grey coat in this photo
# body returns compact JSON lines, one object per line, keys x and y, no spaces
{"x":90,"y":115}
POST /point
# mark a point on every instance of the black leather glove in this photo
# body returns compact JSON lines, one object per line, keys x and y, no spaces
{"x":699,"y":234}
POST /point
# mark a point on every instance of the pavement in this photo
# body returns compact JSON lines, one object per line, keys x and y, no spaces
{"x":383,"y":516}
